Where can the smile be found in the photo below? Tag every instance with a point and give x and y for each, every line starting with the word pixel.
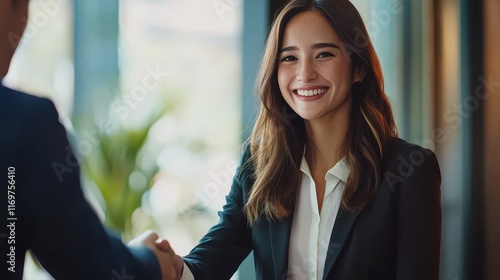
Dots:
pixel 310 92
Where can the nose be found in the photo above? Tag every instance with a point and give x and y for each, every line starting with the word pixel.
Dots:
pixel 306 71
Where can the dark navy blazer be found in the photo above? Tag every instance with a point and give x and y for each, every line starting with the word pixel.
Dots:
pixel 397 236
pixel 53 219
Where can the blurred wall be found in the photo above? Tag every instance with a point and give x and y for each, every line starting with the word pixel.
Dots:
pixel 467 86
pixel 492 138
pixel 450 149
pixel 96 30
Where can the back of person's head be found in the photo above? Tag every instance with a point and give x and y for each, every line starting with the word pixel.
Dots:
pixel 13 18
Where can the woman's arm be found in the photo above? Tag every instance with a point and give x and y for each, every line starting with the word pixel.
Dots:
pixel 226 245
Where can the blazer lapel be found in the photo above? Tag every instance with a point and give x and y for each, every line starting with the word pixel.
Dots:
pixel 280 237
pixel 341 229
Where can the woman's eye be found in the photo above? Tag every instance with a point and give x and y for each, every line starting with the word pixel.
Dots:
pixel 325 54
pixel 288 58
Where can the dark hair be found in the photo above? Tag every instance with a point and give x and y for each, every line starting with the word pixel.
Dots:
pixel 277 142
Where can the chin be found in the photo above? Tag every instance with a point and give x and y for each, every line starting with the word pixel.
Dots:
pixel 309 116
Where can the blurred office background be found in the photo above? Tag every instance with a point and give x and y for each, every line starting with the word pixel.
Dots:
pixel 159 94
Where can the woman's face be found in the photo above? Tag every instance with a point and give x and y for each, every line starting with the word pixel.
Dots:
pixel 315 75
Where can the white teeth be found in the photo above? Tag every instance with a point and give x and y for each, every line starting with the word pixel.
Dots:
pixel 311 92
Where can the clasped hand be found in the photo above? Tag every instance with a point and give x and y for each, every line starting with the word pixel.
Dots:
pixel 171 264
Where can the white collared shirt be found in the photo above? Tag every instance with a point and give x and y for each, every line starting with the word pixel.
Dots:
pixel 311 230
pixel 186 273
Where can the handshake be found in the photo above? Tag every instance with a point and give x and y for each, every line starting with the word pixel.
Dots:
pixel 171 264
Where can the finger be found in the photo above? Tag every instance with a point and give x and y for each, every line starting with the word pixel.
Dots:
pixel 164 245
pixel 141 239
pixel 149 236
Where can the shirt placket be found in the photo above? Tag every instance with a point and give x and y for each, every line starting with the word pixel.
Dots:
pixel 315 226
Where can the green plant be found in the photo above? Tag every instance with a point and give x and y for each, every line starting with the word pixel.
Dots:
pixel 110 165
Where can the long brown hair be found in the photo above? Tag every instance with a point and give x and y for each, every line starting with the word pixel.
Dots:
pixel 278 138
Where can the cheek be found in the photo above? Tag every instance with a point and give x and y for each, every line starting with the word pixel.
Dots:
pixel 283 79
pixel 338 74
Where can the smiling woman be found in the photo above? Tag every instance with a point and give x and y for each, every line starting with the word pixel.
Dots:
pixel 315 72
pixel 325 189
pixel 321 49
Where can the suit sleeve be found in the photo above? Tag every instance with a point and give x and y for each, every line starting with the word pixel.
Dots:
pixel 62 229
pixel 225 246
pixel 419 217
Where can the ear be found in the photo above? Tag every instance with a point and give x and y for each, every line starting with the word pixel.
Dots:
pixel 359 73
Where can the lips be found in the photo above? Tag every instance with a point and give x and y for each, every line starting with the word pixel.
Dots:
pixel 310 92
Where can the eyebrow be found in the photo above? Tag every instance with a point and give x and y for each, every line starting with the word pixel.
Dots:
pixel 315 46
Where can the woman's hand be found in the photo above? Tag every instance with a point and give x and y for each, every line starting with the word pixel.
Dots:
pixel 164 246
pixel 170 264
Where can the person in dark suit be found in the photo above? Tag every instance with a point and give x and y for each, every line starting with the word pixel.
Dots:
pixel 325 188
pixel 47 214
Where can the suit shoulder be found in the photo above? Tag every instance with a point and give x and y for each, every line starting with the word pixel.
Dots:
pixel 20 106
pixel 245 165
pixel 399 147
pixel 400 152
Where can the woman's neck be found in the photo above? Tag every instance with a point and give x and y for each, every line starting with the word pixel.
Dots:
pixel 325 140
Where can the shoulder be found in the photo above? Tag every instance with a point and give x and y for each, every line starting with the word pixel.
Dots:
pixel 246 166
pixel 245 173
pixel 403 159
pixel 399 149
pixel 21 107
pixel 27 122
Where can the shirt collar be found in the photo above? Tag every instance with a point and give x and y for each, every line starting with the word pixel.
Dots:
pixel 340 170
